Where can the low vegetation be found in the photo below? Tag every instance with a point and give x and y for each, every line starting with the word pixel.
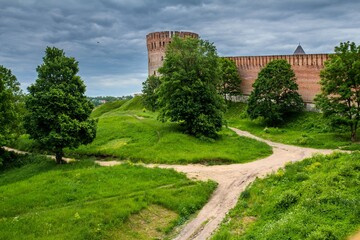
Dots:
pixel 42 200
pixel 306 129
pixel 129 132
pixel 317 198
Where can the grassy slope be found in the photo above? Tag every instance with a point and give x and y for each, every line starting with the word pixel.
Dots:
pixel 100 110
pixel 308 129
pixel 317 198
pixel 128 132
pixel 84 201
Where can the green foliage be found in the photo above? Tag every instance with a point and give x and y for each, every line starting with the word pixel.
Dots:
pixel 10 106
pixel 150 88
pixel 107 107
pixel 229 78
pixel 84 201
pixel 129 133
pixel 308 129
pixel 339 99
pixel 58 110
pixel 274 94
pixel 188 90
pixel 134 104
pixel 317 198
pixel 9 160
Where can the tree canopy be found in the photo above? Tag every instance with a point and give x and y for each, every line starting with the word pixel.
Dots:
pixel 274 94
pixel 10 95
pixel 188 90
pixel 58 110
pixel 229 78
pixel 150 88
pixel 339 99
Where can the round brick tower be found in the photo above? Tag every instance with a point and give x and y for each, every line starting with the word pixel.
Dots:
pixel 156 45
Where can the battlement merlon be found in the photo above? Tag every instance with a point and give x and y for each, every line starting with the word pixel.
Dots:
pixel 293 60
pixel 170 34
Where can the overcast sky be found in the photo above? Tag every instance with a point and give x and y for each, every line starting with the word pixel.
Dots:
pixel 107 37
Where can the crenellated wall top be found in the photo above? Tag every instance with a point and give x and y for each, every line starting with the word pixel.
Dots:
pixel 293 60
pixel 169 34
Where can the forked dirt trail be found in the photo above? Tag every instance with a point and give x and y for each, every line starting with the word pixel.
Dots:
pixel 232 180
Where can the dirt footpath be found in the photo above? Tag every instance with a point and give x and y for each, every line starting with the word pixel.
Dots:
pixel 232 180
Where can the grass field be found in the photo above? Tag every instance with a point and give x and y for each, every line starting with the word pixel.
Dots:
pixel 81 200
pixel 127 131
pixel 317 198
pixel 308 129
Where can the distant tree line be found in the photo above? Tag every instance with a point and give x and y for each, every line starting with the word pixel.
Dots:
pixel 97 101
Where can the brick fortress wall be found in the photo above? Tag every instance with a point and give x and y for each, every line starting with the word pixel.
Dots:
pixel 156 45
pixel 306 67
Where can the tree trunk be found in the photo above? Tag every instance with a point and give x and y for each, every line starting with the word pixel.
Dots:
pixel 58 156
pixel 353 136
pixel 353 132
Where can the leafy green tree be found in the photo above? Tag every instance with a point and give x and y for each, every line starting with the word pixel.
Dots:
pixel 188 90
pixel 274 94
pixel 10 105
pixel 150 88
pixel 58 110
pixel 229 78
pixel 339 99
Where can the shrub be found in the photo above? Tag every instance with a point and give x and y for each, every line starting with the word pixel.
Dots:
pixel 287 200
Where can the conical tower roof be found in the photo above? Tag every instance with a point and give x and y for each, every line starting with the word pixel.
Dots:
pixel 299 50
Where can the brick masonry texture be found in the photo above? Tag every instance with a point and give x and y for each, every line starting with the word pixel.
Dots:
pixel 307 67
pixel 156 45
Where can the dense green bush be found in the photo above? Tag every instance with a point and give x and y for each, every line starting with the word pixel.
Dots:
pixel 188 90
pixel 274 96
pixel 11 160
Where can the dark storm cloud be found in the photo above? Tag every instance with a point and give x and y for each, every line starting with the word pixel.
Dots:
pixel 107 37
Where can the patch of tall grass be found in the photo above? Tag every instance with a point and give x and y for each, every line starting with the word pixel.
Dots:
pixel 308 129
pixel 317 198
pixel 42 200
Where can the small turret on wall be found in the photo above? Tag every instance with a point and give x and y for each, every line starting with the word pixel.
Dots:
pixel 156 45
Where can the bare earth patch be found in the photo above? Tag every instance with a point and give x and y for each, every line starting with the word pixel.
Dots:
pixel 150 223
pixel 355 237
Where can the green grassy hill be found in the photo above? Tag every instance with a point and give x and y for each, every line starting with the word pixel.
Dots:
pixel 81 200
pixel 318 198
pixel 307 129
pixel 127 131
